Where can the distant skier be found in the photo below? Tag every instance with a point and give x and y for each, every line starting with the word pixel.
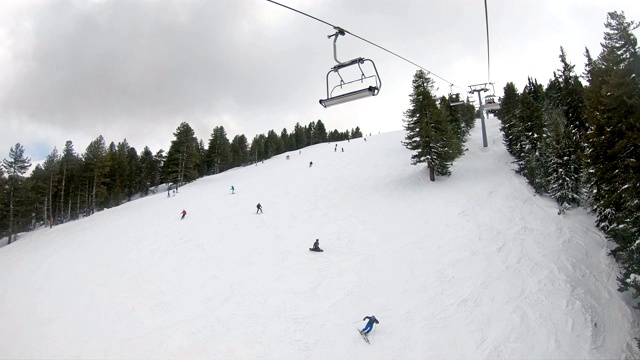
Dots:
pixel 316 246
pixel 184 213
pixel 259 207
pixel 233 190
pixel 50 221
pixel 369 326
pixel 335 148
pixel 310 163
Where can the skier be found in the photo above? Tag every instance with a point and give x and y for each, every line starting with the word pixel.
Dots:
pixel 310 163
pixel 369 326
pixel 50 221
pixel 184 213
pixel 259 207
pixel 233 189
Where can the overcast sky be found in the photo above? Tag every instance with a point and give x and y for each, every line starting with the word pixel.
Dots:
pixel 76 69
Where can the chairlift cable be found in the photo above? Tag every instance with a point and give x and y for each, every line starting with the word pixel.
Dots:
pixel 486 19
pixel 367 41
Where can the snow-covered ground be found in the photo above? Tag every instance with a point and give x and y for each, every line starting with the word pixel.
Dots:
pixel 471 266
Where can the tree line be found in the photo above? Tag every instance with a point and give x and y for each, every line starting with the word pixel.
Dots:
pixel 69 185
pixel 579 142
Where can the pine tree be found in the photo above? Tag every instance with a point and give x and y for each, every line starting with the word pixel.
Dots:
pixel 50 168
pixel 96 166
pixel 273 145
pixel 564 181
pixel 132 162
pixel 15 167
pixel 257 150
pixel 149 171
pixel 300 136
pixel 320 131
pixel 183 157
pixel 239 150
pixel 355 133
pixel 69 168
pixel 508 115
pixel 218 155
pixel 428 132
pixel 529 130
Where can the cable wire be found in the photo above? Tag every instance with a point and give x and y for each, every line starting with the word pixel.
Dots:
pixel 367 41
pixel 486 19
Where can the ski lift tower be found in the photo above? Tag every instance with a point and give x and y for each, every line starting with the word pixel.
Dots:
pixel 480 88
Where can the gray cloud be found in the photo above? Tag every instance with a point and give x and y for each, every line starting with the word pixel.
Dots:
pixel 76 69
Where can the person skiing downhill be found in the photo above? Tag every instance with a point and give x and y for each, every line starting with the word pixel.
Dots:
pixel 369 326
pixel 233 190
pixel 259 207
pixel 184 213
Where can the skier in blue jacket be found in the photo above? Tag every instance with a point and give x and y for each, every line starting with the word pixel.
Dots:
pixel 369 326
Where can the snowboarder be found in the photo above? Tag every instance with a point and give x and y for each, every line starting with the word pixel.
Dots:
pixel 369 326
pixel 184 213
pixel 233 189
pixel 316 246
pixel 259 207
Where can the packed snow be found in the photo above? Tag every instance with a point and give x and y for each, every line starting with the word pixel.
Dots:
pixel 471 266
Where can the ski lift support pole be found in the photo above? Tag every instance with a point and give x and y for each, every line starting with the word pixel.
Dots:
pixel 480 88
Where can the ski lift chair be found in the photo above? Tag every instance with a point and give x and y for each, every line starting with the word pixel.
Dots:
pixel 454 99
pixel 490 103
pixel 370 90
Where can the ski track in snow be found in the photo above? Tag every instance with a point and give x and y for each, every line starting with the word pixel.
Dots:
pixel 471 266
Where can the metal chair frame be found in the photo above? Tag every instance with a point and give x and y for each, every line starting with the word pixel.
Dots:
pixel 352 95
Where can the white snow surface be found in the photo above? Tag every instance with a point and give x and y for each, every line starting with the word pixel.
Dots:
pixel 470 266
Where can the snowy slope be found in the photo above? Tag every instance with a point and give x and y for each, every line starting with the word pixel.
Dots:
pixel 471 266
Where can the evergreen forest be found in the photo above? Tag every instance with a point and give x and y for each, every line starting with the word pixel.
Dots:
pixel 577 139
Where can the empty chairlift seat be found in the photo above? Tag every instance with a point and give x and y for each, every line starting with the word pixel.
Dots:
pixel 358 84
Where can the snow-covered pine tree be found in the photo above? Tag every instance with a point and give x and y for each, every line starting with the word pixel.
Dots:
pixel 429 133
pixel 530 130
pixel 564 181
pixel 507 114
